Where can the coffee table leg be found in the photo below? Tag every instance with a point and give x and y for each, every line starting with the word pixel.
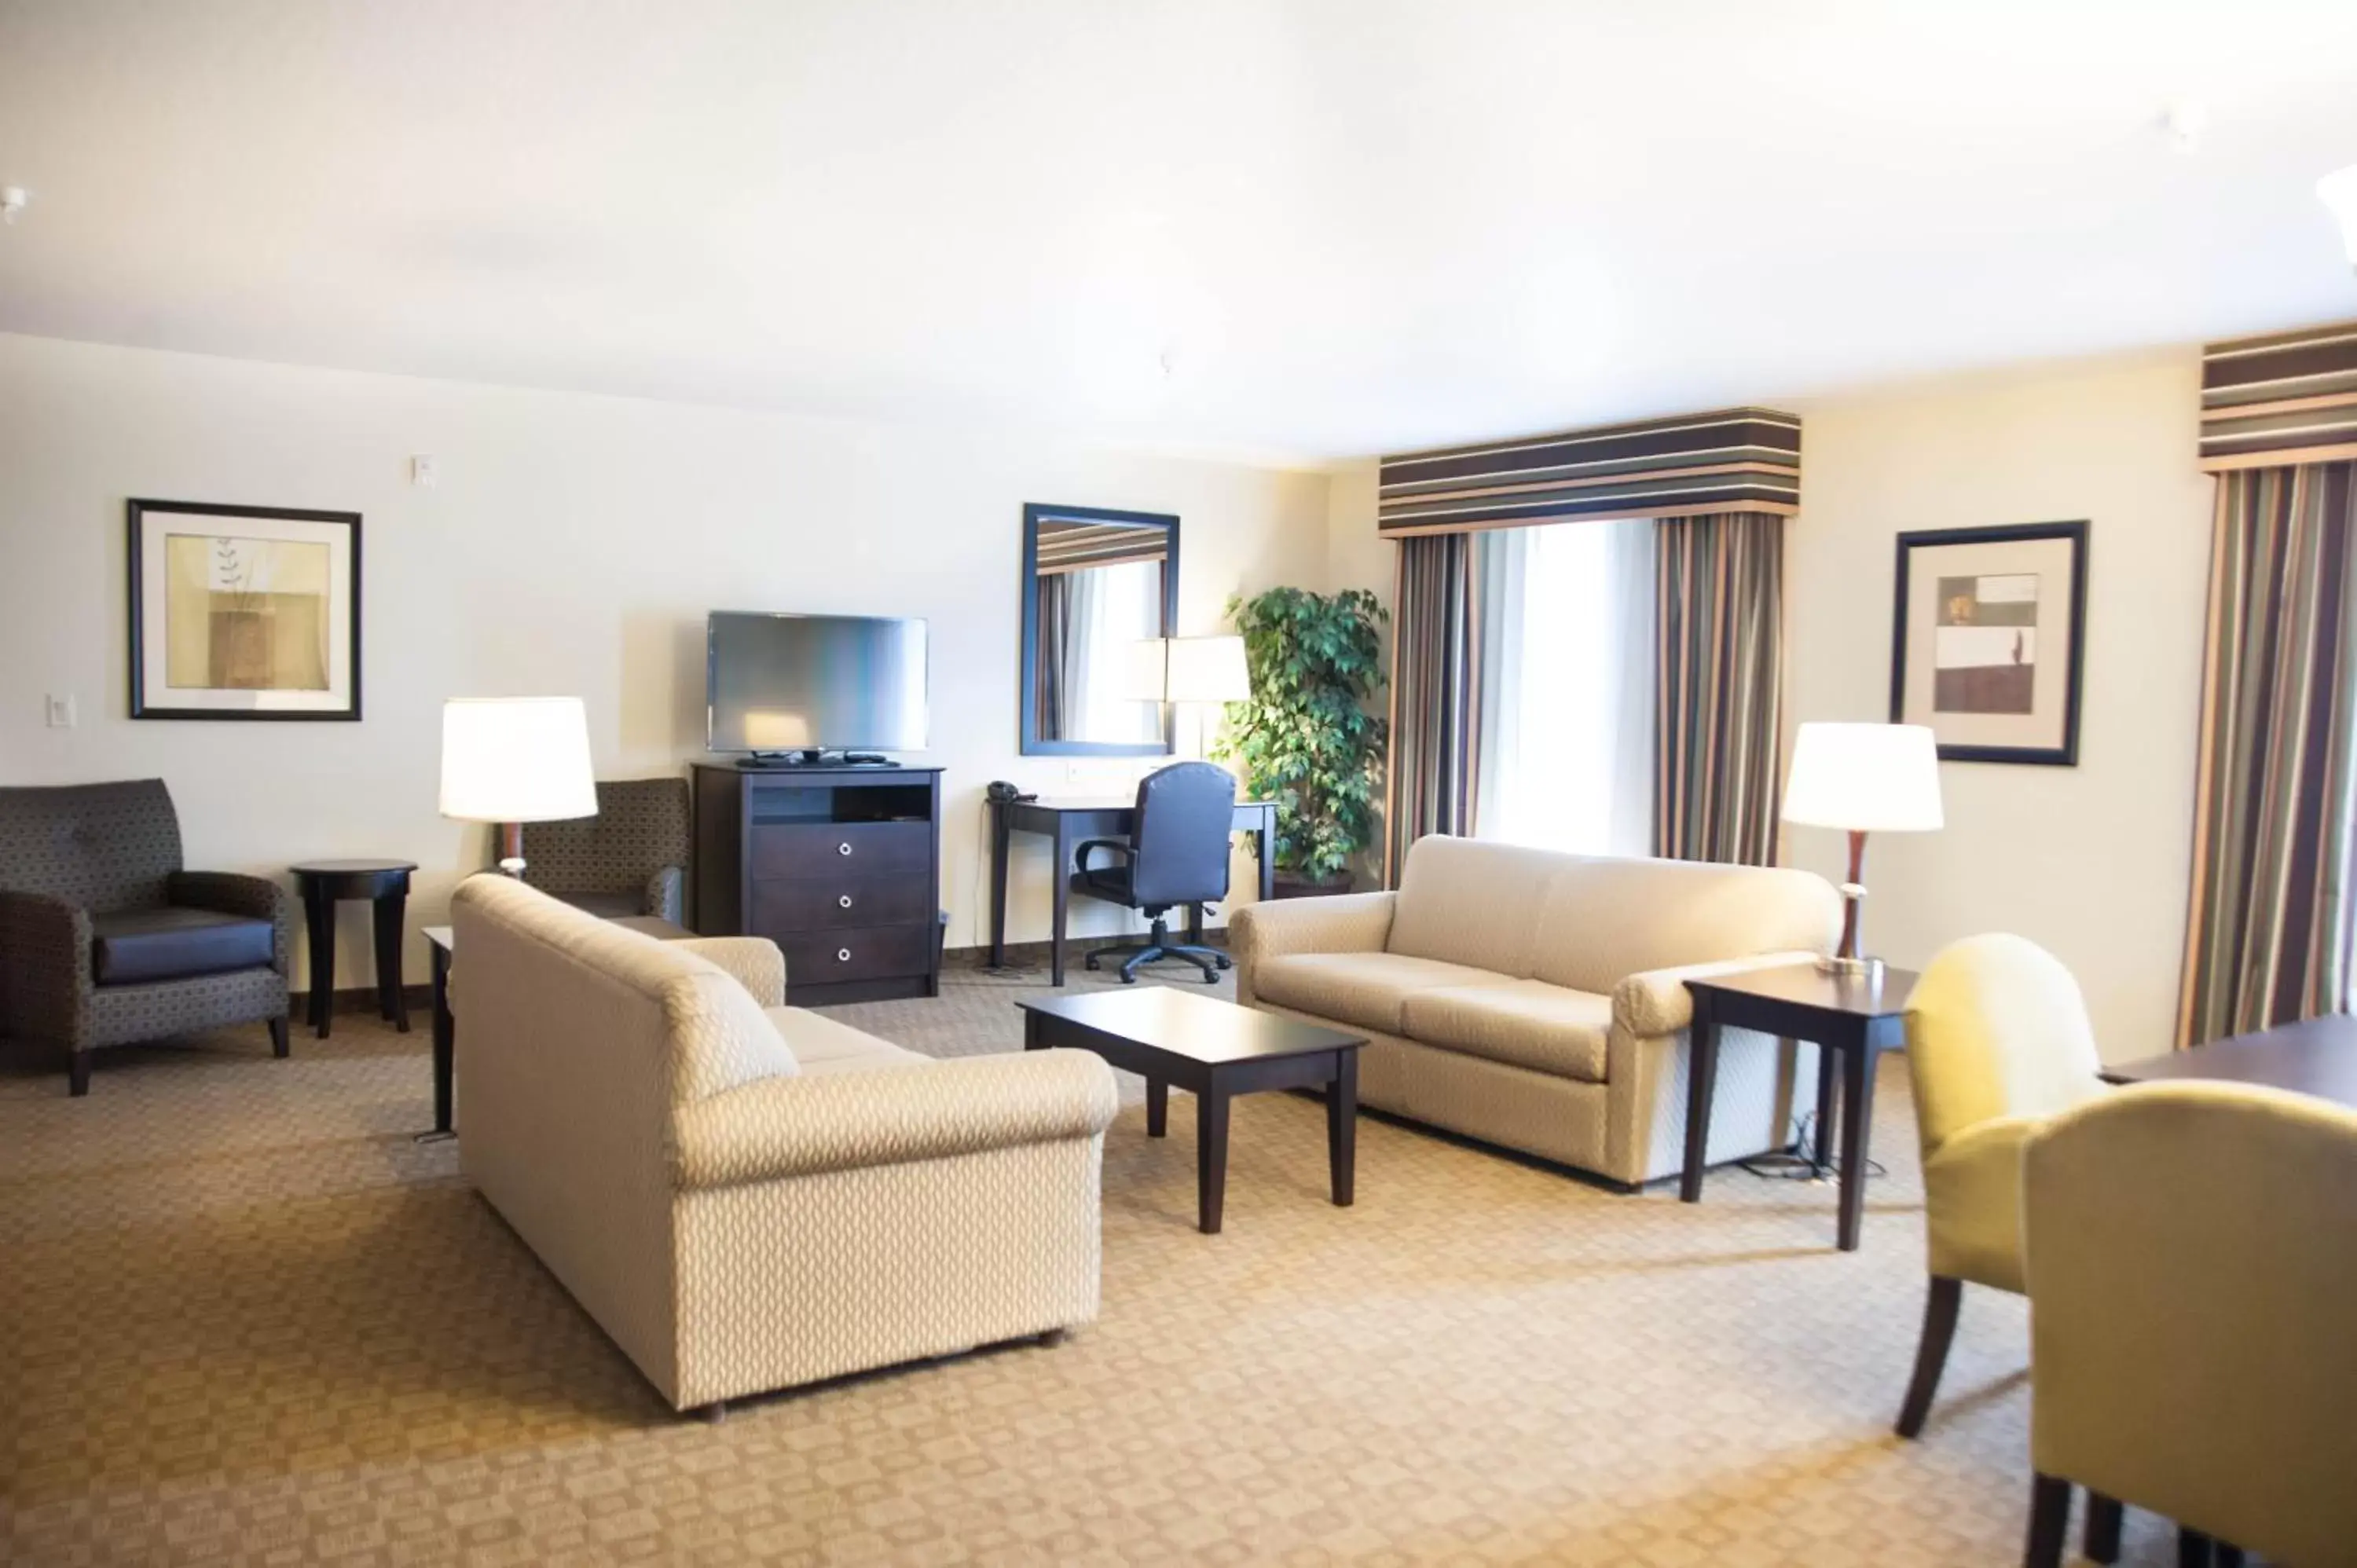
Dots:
pixel 1342 1127
pixel 1157 1108
pixel 1211 1157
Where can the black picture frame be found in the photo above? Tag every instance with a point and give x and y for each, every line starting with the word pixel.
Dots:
pixel 1029 740
pixel 2076 531
pixel 136 511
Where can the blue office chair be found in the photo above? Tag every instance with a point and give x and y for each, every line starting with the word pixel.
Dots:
pixel 1177 855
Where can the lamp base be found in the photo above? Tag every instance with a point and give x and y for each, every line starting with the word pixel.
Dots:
pixel 1865 968
pixel 511 865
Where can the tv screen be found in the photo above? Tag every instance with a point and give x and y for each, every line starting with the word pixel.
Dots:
pixel 801 682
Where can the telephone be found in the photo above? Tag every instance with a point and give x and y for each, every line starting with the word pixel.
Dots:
pixel 1002 793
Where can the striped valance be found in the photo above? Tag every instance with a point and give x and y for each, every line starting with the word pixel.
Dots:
pixel 2281 400
pixel 1743 459
pixel 1069 546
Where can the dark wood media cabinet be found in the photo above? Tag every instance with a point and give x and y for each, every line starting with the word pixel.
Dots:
pixel 840 866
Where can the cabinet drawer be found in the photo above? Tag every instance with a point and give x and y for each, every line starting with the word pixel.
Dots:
pixel 832 849
pixel 865 953
pixel 839 901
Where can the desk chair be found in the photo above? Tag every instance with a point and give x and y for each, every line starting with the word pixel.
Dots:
pixel 1177 855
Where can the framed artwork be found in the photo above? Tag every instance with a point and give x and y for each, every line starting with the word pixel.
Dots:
pixel 1988 640
pixel 244 612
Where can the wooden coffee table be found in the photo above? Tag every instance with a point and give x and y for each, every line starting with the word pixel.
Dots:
pixel 1216 1050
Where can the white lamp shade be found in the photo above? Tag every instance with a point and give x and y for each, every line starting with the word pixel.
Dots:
pixel 1872 779
pixel 2338 191
pixel 1209 670
pixel 516 760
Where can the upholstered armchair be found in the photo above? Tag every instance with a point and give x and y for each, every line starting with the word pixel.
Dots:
pixel 2191 1253
pixel 1997 1041
pixel 106 940
pixel 631 859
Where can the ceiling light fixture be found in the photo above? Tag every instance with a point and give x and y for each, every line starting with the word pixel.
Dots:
pixel 13 200
pixel 2339 192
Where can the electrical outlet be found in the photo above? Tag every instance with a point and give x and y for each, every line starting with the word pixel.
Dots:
pixel 425 471
pixel 61 711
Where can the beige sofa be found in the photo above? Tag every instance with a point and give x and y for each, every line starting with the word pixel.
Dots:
pixel 748 1196
pixel 1536 1000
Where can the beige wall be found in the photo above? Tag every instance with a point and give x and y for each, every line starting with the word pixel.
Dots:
pixel 2089 861
pixel 572 546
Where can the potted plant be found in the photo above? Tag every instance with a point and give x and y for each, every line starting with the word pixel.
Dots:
pixel 1305 737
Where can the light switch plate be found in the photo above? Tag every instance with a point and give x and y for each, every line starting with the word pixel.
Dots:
pixel 61 711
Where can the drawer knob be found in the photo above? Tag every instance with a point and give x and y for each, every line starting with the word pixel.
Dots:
pixel 845 901
pixel 843 955
pixel 843 848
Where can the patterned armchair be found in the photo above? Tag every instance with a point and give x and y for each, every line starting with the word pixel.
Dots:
pixel 629 859
pixel 105 940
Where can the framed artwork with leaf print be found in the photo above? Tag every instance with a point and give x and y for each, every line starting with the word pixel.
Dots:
pixel 243 612
pixel 1988 642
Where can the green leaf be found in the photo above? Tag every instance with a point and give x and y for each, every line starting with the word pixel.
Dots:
pixel 1305 738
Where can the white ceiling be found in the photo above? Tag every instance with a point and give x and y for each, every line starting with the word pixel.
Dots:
pixel 1349 225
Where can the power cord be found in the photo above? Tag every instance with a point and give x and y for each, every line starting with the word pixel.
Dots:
pixel 1793 1165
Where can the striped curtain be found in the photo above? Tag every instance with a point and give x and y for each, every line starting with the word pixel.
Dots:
pixel 1718 584
pixel 1436 692
pixel 2268 933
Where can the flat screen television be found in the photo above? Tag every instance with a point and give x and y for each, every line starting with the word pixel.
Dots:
pixel 808 683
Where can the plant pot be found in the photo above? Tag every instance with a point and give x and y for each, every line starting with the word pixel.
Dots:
pixel 1295 884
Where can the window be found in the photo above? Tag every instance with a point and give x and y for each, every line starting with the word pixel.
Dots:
pixel 1567 732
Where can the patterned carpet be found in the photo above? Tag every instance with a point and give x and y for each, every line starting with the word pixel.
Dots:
pixel 244 1319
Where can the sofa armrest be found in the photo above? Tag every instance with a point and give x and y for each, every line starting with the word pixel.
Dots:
pixel 229 893
pixel 1656 1001
pixel 755 961
pixel 665 895
pixel 45 969
pixel 1347 922
pixel 776 1128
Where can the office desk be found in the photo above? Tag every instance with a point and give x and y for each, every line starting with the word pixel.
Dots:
pixel 1065 821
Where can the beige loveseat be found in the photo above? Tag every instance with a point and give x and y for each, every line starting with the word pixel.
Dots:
pixel 748 1196
pixel 1536 1000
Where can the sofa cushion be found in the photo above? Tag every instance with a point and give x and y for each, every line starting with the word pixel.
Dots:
pixel 1465 901
pixel 823 1047
pixel 1367 989
pixel 1524 1022
pixel 130 947
pixel 1606 919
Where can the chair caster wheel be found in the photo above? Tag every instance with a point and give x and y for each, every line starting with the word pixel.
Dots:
pixel 1225 963
pixel 1209 978
pixel 1129 980
pixel 1088 963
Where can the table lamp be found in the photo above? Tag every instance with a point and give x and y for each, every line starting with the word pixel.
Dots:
pixel 1197 672
pixel 513 760
pixel 1862 779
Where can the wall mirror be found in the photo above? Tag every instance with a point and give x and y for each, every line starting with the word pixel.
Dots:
pixel 1099 589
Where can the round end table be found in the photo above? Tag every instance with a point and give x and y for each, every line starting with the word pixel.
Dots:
pixel 385 885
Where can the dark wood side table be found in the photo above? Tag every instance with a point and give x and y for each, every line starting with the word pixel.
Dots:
pixel 1855 1019
pixel 1216 1050
pixel 385 885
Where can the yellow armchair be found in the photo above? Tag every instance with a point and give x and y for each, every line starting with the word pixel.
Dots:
pixel 1998 1040
pixel 2192 1256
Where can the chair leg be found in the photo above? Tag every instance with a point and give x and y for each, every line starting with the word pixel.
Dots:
pixel 279 1042
pixel 2192 1549
pixel 77 1074
pixel 1940 1308
pixel 2050 1519
pixel 2103 1537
